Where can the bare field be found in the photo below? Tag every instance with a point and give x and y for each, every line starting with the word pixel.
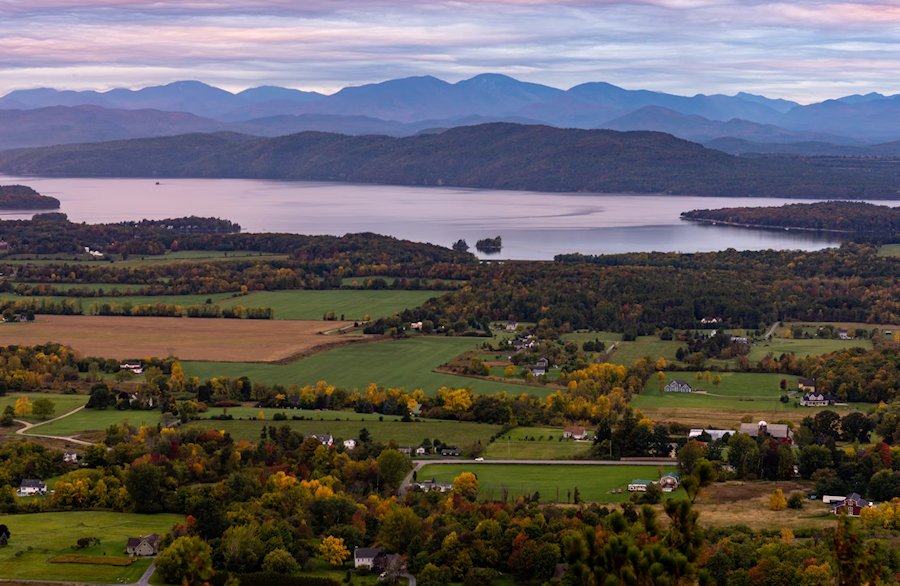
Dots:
pixel 226 340
pixel 747 503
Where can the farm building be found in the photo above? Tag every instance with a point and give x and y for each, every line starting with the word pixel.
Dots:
pixel 143 546
pixel 714 434
pixel 669 482
pixel 807 385
pixel 639 485
pixel 851 505
pixel 778 431
pixel 678 386
pixel 575 432
pixel 816 399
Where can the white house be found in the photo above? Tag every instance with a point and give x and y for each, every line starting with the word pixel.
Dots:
pixel 714 434
pixel 143 546
pixel 350 444
pixel 70 457
pixel 32 486
pixel 639 485
pixel 678 386
pixel 364 557
pixel 421 451
pixel 816 399
pixel 575 432
pixel 326 439
pixel 134 367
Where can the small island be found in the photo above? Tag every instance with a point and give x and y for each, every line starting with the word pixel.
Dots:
pixel 489 245
pixel 828 216
pixel 22 197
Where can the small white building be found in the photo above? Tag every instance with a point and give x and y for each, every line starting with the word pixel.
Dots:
pixel 32 486
pixel 678 386
pixel 639 485
pixel 326 439
pixel 134 367
pixel 70 457
pixel 575 432
pixel 349 444
pixel 148 545
pixel 816 399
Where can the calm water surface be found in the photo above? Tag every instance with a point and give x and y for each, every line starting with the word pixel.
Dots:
pixel 533 225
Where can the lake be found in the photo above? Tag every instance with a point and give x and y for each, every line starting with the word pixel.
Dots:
pixel 534 226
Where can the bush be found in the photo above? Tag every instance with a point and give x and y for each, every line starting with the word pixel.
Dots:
pixel 280 561
pixel 795 501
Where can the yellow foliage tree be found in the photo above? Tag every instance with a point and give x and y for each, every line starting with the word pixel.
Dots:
pixel 177 378
pixel 466 485
pixel 777 502
pixel 333 550
pixel 23 406
pixel 787 535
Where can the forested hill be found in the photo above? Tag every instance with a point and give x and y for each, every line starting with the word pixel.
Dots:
pixel 496 156
pixel 839 216
pixel 22 197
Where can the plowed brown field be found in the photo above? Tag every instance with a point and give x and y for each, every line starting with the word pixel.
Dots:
pixel 227 340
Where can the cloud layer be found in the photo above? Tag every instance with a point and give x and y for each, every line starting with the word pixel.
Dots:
pixel 805 50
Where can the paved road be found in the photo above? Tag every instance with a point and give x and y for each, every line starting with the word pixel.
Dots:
pixel 30 426
pixel 418 464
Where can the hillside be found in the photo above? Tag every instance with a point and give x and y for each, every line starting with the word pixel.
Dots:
pixel 495 156
pixel 837 216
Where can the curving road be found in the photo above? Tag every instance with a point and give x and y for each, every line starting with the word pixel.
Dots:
pixel 29 426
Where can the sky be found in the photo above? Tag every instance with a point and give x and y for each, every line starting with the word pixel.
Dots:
pixel 805 50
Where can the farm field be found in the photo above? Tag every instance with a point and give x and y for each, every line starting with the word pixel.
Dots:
pixel 889 250
pixel 811 327
pixel 594 482
pixel 88 420
pixel 543 443
pixel 303 304
pixel 62 403
pixel 406 363
pixel 627 352
pixel 747 503
pixel 38 537
pixel 350 303
pixel 802 348
pixel 90 286
pixel 188 339
pixel 408 434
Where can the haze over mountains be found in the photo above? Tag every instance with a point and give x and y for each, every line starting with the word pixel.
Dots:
pixel 402 107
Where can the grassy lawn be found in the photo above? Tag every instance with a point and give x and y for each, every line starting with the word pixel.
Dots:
pixel 397 363
pixel 801 347
pixel 594 482
pixel 735 391
pixel 36 538
pixel 346 425
pixel 94 420
pixel 63 403
pixel 352 304
pixel 545 445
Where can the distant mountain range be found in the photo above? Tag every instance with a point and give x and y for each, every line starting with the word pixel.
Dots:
pixel 404 107
pixel 497 156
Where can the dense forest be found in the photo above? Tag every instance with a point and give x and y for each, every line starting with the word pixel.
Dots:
pixel 838 216
pixel 496 156
pixel 22 197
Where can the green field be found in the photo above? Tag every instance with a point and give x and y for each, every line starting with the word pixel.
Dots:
pixel 89 286
pixel 802 348
pixel 545 445
pixel 350 303
pixel 36 538
pixel 181 256
pixel 63 403
pixel 94 420
pixel 297 304
pixel 735 391
pixel 594 482
pixel 346 425
pixel 404 363
pixel 889 250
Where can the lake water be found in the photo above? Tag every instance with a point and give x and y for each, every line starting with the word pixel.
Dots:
pixel 534 226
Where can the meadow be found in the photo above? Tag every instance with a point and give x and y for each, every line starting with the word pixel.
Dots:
pixel 62 403
pixel 406 363
pixel 554 482
pixel 94 420
pixel 536 443
pixel 38 537
pixel 302 304
pixel 889 250
pixel 347 425
pixel 737 390
pixel 802 347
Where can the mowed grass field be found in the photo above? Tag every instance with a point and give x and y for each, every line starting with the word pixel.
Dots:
pixel 554 482
pixel 346 425
pixel 406 363
pixel 536 443
pixel 305 304
pixel 186 338
pixel 62 403
pixel 802 348
pixel 889 250
pixel 38 537
pixel 736 390
pixel 88 420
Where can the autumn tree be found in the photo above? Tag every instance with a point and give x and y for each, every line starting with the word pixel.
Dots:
pixel 398 528
pixel 393 467
pixel 333 550
pixel 187 561
pixel 23 406
pixel 777 502
pixel 466 485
